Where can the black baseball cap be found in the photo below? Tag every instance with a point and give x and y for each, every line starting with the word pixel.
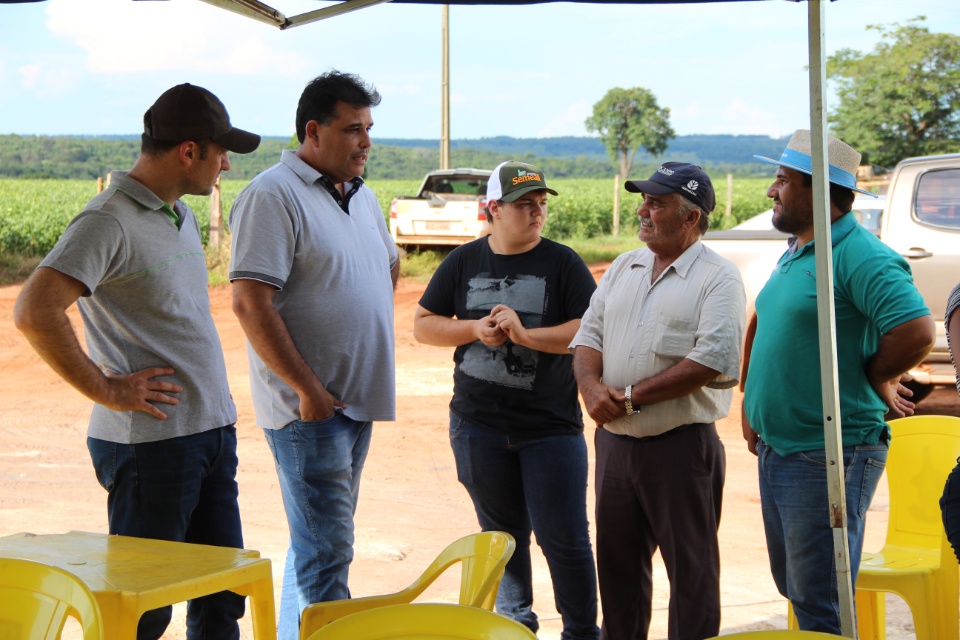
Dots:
pixel 684 178
pixel 189 112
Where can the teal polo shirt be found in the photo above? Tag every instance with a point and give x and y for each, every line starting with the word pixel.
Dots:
pixel 873 293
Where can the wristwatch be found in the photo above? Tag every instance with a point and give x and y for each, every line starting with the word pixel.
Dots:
pixel 628 402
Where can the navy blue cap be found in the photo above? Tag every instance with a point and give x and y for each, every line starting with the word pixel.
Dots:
pixel 684 178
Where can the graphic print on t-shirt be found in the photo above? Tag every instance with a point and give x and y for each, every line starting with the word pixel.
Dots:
pixel 509 364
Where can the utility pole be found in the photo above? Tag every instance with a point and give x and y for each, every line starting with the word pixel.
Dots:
pixel 445 90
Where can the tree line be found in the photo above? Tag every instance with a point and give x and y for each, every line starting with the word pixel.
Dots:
pixel 89 157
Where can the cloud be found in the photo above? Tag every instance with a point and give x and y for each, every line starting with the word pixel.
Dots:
pixel 736 117
pixel 568 122
pixel 49 77
pixel 740 118
pixel 30 75
pixel 119 36
pixel 396 90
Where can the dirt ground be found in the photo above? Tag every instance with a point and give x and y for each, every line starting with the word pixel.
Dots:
pixel 411 504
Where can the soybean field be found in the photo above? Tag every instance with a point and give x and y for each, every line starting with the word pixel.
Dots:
pixel 34 213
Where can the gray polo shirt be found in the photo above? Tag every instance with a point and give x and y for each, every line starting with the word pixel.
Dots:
pixel 332 273
pixel 147 305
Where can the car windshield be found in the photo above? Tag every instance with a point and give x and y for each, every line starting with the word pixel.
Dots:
pixel 464 185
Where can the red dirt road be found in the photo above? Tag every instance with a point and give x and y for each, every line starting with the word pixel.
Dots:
pixel 411 504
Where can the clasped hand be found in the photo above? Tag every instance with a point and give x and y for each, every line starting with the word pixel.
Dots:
pixel 501 325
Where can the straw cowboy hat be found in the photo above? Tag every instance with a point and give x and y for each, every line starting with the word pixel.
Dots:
pixel 844 159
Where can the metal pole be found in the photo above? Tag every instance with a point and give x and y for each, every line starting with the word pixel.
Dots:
pixel 445 91
pixel 826 317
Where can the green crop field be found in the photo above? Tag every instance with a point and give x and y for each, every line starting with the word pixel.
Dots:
pixel 34 213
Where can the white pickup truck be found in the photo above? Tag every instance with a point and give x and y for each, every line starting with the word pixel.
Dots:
pixel 449 209
pixel 920 220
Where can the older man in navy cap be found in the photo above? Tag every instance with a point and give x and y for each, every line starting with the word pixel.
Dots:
pixel 656 357
pixel 883 329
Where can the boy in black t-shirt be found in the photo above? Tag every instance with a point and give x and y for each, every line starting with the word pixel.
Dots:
pixel 511 303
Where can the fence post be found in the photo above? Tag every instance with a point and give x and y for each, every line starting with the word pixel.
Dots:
pixel 729 210
pixel 99 184
pixel 728 220
pixel 215 214
pixel 616 205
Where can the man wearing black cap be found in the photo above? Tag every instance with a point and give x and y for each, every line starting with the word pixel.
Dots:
pixel 161 434
pixel 509 303
pixel 655 358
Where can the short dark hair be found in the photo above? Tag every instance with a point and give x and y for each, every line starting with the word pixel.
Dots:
pixel 486 211
pixel 152 146
pixel 840 197
pixel 321 95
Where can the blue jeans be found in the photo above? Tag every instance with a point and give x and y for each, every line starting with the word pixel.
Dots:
pixel 539 484
pixel 182 489
pixel 319 466
pixel 796 519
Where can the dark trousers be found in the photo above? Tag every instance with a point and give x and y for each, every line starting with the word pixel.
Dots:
pixel 534 484
pixel 666 493
pixel 183 489
pixel 950 508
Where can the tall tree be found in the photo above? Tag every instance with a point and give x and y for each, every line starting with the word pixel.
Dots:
pixel 903 98
pixel 628 119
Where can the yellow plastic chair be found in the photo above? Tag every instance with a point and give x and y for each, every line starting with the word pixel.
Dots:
pixel 422 621
pixel 916 562
pixel 36 599
pixel 483 557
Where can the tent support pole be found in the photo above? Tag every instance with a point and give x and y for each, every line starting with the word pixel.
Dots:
pixel 826 316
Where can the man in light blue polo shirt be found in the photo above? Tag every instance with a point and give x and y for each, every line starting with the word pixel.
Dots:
pixel 883 329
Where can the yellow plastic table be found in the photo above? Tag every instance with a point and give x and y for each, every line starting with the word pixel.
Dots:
pixel 129 576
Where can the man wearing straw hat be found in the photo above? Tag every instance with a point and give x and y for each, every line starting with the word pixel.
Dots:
pixel 883 329
pixel 161 435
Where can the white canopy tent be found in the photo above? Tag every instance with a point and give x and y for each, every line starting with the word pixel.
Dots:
pixel 262 12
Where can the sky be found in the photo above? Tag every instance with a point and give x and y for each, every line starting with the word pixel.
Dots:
pixel 92 67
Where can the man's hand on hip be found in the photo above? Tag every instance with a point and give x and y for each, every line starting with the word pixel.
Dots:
pixel 895 395
pixel 135 391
